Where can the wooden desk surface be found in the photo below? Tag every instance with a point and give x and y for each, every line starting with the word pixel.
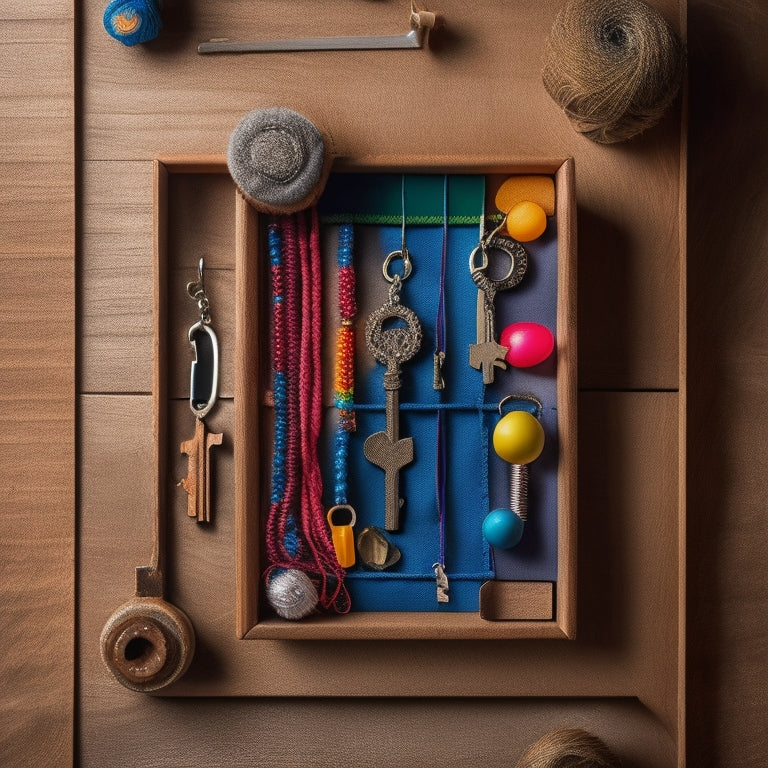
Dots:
pixel 727 641
pixel 37 249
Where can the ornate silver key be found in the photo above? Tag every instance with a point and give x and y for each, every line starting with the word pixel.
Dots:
pixel 487 353
pixel 393 336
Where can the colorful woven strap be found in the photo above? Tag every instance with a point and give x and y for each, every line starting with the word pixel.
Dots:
pixel 296 532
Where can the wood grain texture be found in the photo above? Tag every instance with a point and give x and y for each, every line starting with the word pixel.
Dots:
pixel 727 616
pixel 727 621
pixel 115 273
pixel 21 10
pixel 628 288
pixel 626 642
pixel 37 101
pixel 37 450
pixel 728 369
pixel 629 298
pixel 114 722
pixel 504 600
pixel 385 733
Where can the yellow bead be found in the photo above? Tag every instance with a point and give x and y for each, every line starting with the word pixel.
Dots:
pixel 518 437
pixel 526 221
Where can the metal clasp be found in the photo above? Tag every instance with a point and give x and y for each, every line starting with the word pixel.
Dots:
pixel 204 374
pixel 403 254
pixel 518 264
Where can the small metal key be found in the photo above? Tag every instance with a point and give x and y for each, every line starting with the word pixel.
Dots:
pixel 487 353
pixel 392 346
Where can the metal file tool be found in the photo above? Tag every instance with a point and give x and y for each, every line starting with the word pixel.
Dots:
pixel 421 23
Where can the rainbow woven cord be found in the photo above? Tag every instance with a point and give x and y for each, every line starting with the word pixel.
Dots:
pixel 344 381
pixel 344 377
pixel 133 21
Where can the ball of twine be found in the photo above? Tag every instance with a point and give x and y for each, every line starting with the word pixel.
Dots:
pixel 613 66
pixel 291 593
pixel 568 748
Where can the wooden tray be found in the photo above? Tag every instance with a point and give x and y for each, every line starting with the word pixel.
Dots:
pixel 532 609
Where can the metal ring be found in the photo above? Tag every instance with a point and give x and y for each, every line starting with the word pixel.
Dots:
pixel 336 508
pixel 484 265
pixel 210 385
pixel 517 266
pixel 403 254
pixel 526 398
pixel 393 344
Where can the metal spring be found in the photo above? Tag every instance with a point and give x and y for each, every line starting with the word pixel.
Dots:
pixel 518 490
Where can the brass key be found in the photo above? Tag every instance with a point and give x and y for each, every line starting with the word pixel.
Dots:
pixel 487 353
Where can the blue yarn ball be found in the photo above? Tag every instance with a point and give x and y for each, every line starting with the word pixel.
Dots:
pixel 133 21
pixel 502 528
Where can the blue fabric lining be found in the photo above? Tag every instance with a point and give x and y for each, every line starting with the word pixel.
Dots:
pixel 477 480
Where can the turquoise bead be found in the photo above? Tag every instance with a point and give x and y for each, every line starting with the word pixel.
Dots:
pixel 502 528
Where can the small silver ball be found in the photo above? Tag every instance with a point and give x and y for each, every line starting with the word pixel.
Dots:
pixel 292 594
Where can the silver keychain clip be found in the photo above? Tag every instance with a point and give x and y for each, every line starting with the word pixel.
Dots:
pixel 204 373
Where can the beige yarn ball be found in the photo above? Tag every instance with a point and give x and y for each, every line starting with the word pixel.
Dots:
pixel 613 66
pixel 568 748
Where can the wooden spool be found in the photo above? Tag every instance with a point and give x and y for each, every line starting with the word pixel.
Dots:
pixel 147 644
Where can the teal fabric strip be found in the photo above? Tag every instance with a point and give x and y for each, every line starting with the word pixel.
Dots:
pixel 376 199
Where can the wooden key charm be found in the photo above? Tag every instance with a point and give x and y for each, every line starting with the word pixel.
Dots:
pixel 197 483
pixel 392 345
pixel 203 390
pixel 487 353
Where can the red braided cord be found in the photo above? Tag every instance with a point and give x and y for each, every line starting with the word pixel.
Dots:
pixel 285 331
pixel 273 540
pixel 311 413
pixel 347 301
pixel 297 349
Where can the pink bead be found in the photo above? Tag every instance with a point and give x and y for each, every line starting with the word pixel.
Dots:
pixel 529 344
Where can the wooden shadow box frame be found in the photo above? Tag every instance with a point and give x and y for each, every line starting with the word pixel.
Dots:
pixel 529 610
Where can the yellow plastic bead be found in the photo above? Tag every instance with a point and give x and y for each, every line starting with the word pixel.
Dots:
pixel 526 221
pixel 518 437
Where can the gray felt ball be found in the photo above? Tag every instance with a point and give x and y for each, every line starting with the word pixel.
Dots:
pixel 276 157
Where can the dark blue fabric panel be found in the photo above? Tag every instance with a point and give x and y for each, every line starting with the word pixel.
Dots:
pixel 477 480
pixel 409 593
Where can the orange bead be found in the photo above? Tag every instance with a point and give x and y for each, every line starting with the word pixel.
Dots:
pixel 539 189
pixel 526 221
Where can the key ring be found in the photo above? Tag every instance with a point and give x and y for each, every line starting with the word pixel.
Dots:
pixel 517 266
pixel 403 254
pixel 531 401
pixel 196 291
pixel 204 375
